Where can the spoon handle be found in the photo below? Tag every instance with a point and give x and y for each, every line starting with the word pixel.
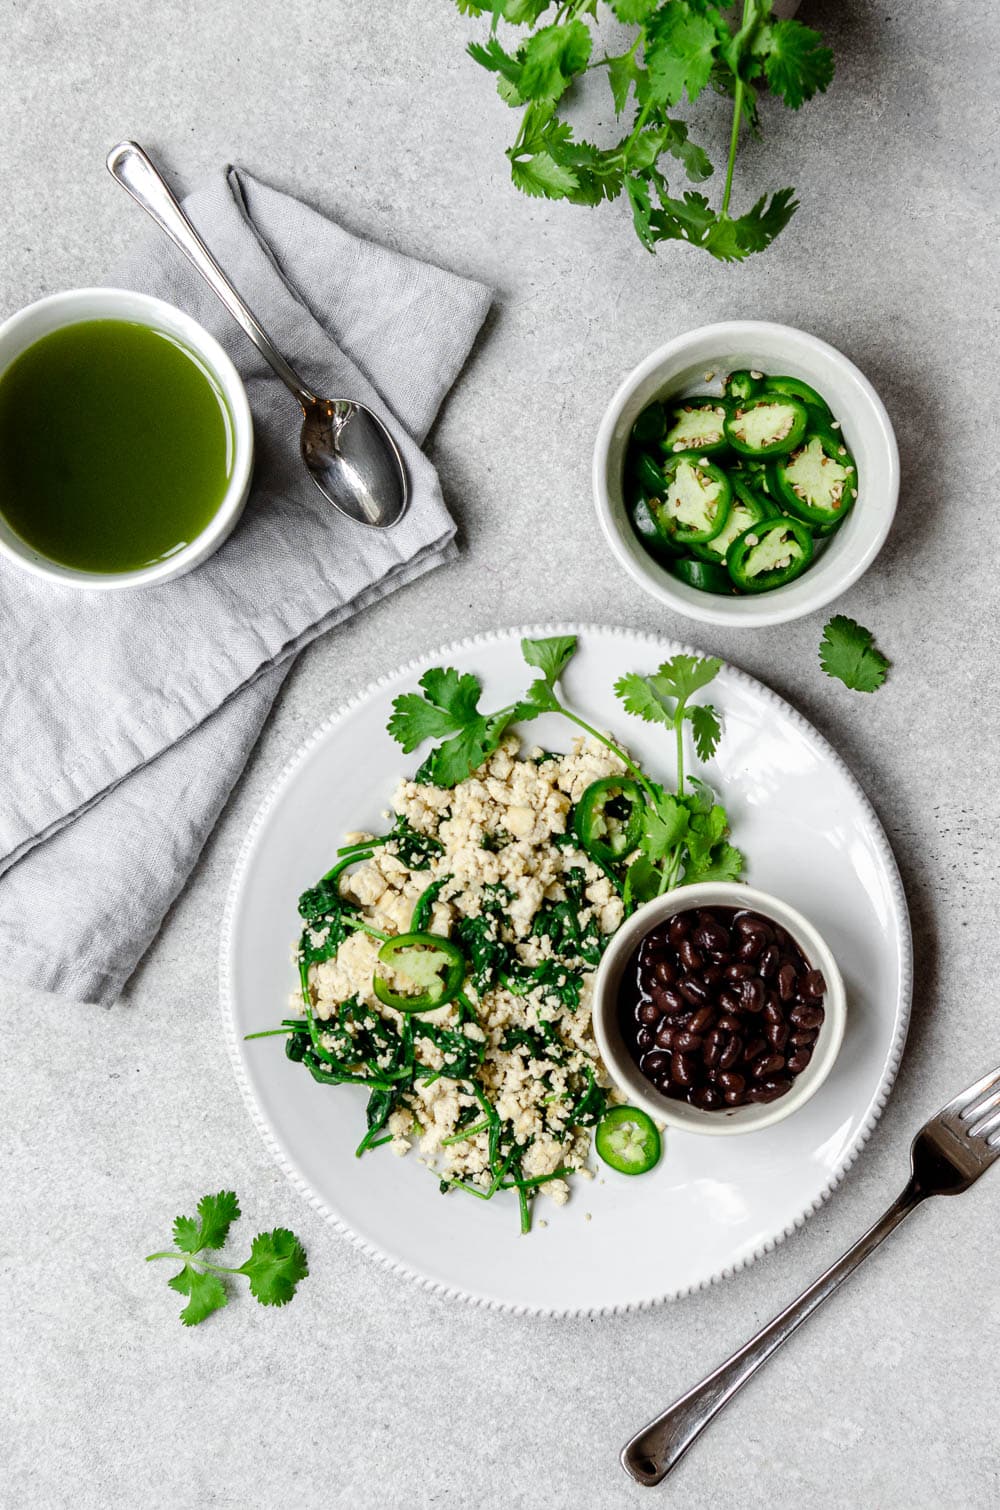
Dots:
pixel 134 170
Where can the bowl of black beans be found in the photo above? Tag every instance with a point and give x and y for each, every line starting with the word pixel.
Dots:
pixel 718 1008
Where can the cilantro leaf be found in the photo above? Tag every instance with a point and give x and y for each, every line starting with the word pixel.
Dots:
pixel 450 701
pixel 726 864
pixel 622 75
pixel 276 1264
pixel 663 826
pixel 206 1291
pixel 216 1213
pixel 732 240
pixel 643 880
pixel 551 58
pixel 796 63
pixel 633 10
pixel 706 728
pixel 680 51
pixel 551 656
pixel 848 651
pixel 542 177
pixel 683 675
pixel 640 698
pixel 679 48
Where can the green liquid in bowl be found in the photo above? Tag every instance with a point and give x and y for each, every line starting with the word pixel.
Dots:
pixel 116 446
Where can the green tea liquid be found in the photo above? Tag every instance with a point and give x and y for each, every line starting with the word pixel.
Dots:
pixel 116 446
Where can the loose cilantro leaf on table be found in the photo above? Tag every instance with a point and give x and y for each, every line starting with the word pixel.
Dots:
pixel 680 49
pixel 848 652
pixel 276 1264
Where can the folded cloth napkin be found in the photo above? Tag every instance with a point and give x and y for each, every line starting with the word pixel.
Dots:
pixel 127 717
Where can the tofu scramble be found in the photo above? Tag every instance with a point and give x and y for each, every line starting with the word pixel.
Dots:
pixel 532 913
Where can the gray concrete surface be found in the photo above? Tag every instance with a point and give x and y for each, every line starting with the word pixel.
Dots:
pixel 366 1392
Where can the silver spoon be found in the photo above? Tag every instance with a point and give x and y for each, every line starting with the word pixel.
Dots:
pixel 351 456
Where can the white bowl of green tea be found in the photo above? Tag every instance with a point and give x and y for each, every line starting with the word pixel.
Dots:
pixel 126 441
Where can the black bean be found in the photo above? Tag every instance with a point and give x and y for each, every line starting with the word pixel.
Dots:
pixel 752 995
pixel 714 1044
pixel 786 982
pixel 813 985
pixel 683 1069
pixel 678 930
pixel 731 1080
pixel 769 961
pixel 777 1036
pixel 690 957
pixel 665 972
pixel 687 1006
pixel 731 1053
pixel 702 1020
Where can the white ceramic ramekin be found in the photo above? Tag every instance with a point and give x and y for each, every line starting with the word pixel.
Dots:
pixel 21 330
pixel 625 1072
pixel 680 367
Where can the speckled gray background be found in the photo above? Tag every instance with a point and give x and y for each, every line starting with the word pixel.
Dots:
pixel 366 1392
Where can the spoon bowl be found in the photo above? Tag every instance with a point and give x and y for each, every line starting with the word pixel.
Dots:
pixel 351 456
pixel 354 461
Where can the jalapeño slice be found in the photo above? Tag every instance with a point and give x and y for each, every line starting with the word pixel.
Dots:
pixel 432 964
pixel 818 482
pixel 608 818
pixel 694 505
pixel 628 1140
pixel 770 554
pixel 768 425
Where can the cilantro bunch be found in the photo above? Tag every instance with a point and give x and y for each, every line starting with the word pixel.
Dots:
pixel 276 1264
pixel 684 835
pixel 680 47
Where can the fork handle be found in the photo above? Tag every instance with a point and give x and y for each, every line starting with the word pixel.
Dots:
pixel 652 1452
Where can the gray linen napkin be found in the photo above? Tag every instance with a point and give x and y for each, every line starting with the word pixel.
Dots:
pixel 127 718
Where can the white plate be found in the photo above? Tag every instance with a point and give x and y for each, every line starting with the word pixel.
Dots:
pixel 713 1204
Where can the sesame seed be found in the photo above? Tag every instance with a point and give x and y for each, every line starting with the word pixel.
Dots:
pixel 835 424
pixel 756 376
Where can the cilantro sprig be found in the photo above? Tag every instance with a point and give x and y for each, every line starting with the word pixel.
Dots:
pixel 684 834
pixel 848 652
pixel 681 47
pixel 276 1264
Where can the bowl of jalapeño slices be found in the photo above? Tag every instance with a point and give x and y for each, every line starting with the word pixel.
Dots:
pixel 746 473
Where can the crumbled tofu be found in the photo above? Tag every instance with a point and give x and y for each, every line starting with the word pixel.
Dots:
pixel 497 830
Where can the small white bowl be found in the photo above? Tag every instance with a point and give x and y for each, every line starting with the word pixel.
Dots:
pixel 26 327
pixel 680 367
pixel 622 1067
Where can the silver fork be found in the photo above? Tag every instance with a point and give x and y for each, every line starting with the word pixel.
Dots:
pixel 949 1154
